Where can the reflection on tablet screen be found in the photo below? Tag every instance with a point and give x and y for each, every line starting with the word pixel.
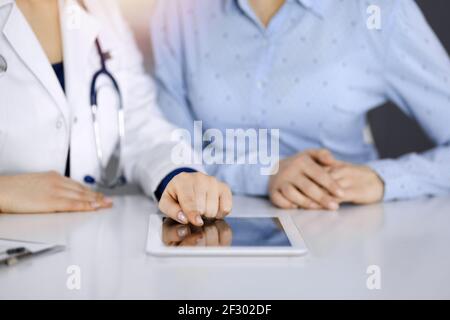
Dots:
pixel 233 232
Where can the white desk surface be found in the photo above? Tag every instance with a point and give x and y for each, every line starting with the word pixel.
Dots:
pixel 409 241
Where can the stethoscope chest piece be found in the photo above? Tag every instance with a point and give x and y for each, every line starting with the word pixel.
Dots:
pixel 3 66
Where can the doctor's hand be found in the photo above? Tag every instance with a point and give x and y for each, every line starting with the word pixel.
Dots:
pixel 361 184
pixel 191 197
pixel 303 181
pixel 47 193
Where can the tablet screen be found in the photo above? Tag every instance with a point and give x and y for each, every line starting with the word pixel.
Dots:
pixel 231 232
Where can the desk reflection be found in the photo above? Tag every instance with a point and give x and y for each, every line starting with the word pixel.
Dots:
pixel 327 231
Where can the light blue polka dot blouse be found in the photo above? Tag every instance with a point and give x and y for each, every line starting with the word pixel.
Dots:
pixel 313 73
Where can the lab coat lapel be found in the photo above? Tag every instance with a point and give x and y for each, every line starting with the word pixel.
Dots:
pixel 80 29
pixel 24 42
pixel 79 33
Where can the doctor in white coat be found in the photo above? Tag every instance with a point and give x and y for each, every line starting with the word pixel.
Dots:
pixel 50 148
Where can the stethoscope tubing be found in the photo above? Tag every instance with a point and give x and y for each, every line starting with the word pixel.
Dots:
pixel 118 179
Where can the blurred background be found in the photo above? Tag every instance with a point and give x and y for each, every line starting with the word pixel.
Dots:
pixel 138 14
pixel 394 133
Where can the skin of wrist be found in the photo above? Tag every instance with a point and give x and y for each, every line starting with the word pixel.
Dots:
pixel 381 183
pixel 383 187
pixel 2 192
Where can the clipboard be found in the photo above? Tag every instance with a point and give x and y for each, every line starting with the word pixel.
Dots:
pixel 12 251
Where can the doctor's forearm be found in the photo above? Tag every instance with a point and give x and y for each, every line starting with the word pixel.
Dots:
pixel 47 192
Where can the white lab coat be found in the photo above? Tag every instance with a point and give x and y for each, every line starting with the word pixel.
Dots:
pixel 38 121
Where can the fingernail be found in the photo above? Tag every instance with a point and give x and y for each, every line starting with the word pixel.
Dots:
pixel 182 232
pixel 95 205
pixel 333 206
pixel 315 206
pixel 199 220
pixel 108 200
pixel 182 217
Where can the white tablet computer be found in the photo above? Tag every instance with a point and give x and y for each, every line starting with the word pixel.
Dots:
pixel 234 236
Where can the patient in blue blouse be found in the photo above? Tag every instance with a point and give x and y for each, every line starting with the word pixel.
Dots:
pixel 313 69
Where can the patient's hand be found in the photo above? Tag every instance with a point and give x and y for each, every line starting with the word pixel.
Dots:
pixel 47 193
pixel 213 234
pixel 303 181
pixel 361 184
pixel 191 196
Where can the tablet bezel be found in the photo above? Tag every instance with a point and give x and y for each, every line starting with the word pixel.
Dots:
pixel 156 247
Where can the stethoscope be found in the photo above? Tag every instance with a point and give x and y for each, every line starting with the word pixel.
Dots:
pixel 111 174
pixel 3 65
